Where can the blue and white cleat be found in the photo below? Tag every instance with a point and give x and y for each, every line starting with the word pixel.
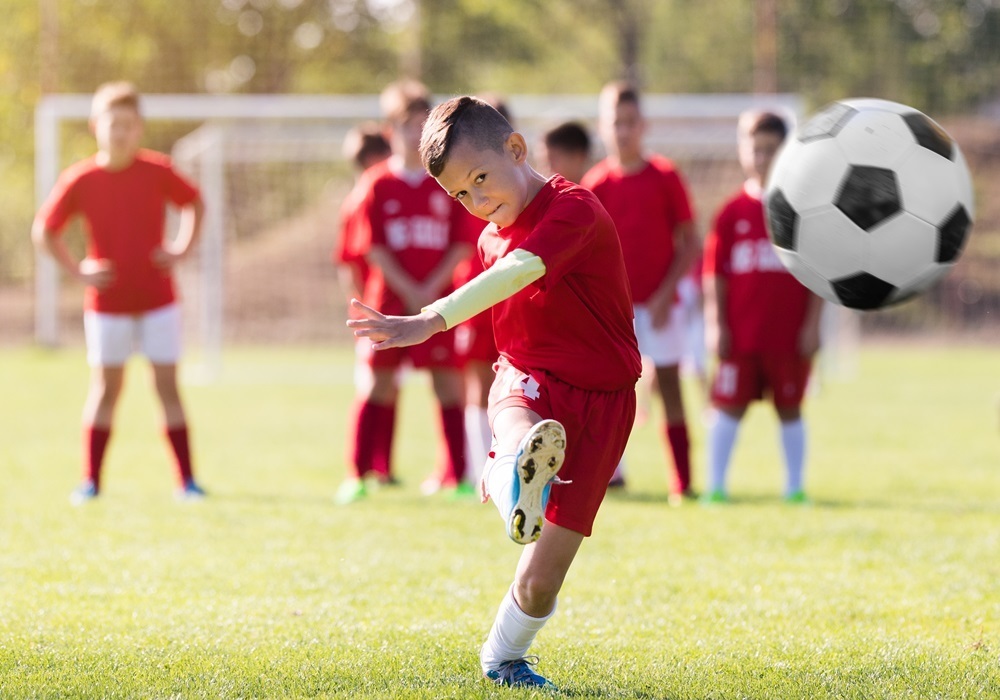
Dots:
pixel 85 492
pixel 519 674
pixel 189 492
pixel 539 458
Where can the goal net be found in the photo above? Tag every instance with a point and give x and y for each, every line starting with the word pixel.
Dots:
pixel 272 175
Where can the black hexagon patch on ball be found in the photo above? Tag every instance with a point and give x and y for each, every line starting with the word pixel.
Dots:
pixel 869 196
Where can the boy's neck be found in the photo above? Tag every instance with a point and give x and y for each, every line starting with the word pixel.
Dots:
pixel 631 163
pixel 114 161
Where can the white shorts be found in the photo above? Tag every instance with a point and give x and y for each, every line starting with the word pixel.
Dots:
pixel 663 345
pixel 112 338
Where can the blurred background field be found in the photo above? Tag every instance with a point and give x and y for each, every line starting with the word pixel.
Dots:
pixel 264 275
pixel 884 587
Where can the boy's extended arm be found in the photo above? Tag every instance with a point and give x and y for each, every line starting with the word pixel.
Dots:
pixel 506 277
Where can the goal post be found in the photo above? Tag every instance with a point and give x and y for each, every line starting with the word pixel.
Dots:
pixel 698 131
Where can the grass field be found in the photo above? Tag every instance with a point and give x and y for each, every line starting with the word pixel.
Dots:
pixel 887 586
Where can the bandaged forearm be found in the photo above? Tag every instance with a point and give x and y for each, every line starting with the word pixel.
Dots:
pixel 509 275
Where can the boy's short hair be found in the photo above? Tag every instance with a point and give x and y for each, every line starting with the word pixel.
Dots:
pixel 403 99
pixel 461 119
pixel 569 136
pixel 364 143
pixel 120 93
pixel 754 122
pixel 618 92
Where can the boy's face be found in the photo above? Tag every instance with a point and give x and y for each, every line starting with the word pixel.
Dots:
pixel 491 185
pixel 757 152
pixel 572 165
pixel 118 130
pixel 622 128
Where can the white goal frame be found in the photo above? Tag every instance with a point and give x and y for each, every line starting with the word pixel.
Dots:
pixel 679 125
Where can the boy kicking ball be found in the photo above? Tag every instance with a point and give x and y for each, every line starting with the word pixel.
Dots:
pixel 563 401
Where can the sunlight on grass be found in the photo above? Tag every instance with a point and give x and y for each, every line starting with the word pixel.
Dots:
pixel 885 586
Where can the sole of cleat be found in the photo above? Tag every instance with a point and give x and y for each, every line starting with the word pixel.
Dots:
pixel 539 458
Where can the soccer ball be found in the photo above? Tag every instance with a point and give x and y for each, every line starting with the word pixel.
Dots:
pixel 869 203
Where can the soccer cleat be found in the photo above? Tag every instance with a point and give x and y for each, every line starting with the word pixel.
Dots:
pixel 87 491
pixel 539 457
pixel 518 673
pixel 350 491
pixel 714 498
pixel 797 498
pixel 190 491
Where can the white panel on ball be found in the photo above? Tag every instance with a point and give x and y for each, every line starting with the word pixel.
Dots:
pixel 902 249
pixel 876 139
pixel 929 185
pixel 832 243
pixel 809 174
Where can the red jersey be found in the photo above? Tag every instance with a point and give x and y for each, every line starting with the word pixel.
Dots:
pixel 765 304
pixel 416 221
pixel 350 248
pixel 124 213
pixel 646 206
pixel 575 322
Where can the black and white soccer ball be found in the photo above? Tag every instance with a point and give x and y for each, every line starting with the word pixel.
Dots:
pixel 869 203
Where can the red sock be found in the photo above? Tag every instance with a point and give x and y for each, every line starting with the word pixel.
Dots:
pixel 373 433
pixel 453 427
pixel 95 441
pixel 385 430
pixel 680 447
pixel 178 437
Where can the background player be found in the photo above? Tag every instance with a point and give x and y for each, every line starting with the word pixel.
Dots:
pixel 763 323
pixel 566 151
pixel 417 235
pixel 122 193
pixel 649 203
pixel 562 307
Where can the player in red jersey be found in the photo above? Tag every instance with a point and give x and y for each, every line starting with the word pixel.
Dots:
pixel 763 322
pixel 121 193
pixel 364 146
pixel 415 235
pixel 648 200
pixel 563 400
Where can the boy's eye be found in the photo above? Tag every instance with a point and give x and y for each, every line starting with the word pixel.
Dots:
pixel 460 195
pixel 480 178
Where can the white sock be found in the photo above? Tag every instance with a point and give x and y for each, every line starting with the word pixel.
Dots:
pixel 512 633
pixel 721 440
pixel 793 441
pixel 499 474
pixel 478 439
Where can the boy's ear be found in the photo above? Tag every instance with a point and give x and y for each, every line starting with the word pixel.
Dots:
pixel 517 147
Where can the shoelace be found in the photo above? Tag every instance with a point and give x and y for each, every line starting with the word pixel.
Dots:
pixel 518 671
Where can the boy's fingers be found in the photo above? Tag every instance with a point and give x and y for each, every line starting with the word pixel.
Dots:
pixel 366 310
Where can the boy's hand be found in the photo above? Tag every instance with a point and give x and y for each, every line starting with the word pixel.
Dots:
pixel 393 331
pixel 99 273
pixel 165 259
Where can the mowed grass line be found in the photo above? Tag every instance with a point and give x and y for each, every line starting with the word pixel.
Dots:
pixel 886 587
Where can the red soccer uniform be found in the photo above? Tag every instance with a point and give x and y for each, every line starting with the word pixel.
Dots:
pixel 646 206
pixel 574 323
pixel 350 247
pixel 417 222
pixel 568 350
pixel 765 305
pixel 123 212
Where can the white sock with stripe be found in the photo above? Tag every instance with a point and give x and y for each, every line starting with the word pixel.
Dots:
pixel 512 633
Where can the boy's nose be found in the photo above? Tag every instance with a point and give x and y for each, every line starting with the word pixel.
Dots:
pixel 479 200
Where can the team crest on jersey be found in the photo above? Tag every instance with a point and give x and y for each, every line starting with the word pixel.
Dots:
pixel 440 204
pixel 742 227
pixel 391 206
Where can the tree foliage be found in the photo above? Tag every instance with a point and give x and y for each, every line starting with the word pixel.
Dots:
pixel 939 55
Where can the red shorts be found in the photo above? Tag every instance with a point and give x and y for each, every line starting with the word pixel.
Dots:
pixel 742 379
pixel 474 339
pixel 438 351
pixel 598 424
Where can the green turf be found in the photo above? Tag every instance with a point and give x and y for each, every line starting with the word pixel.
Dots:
pixel 885 587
